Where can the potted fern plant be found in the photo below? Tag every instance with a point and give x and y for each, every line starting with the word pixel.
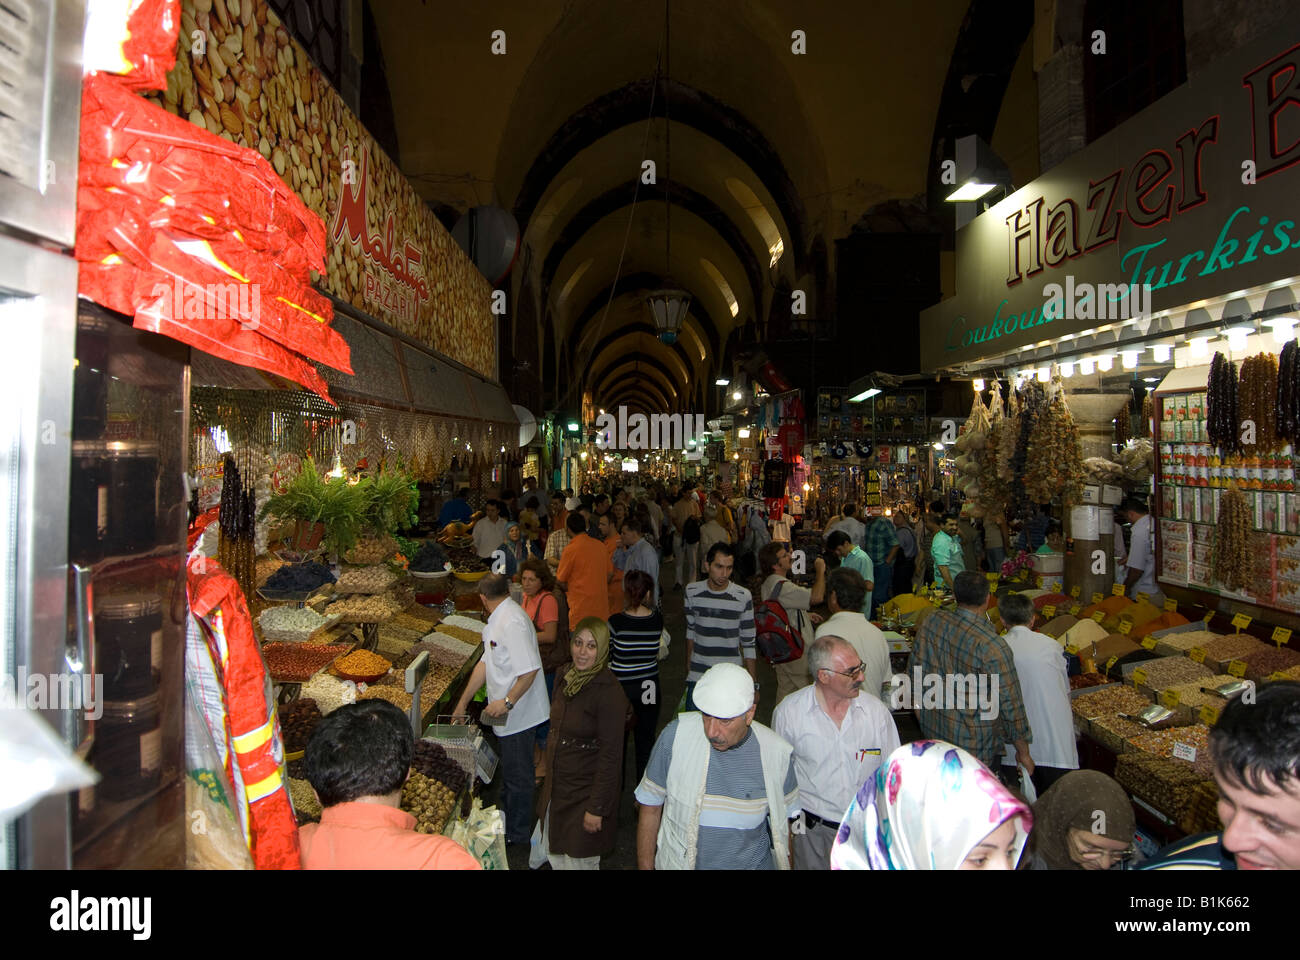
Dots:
pixel 391 500
pixel 324 512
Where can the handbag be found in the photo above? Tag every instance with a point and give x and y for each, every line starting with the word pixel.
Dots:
pixel 664 640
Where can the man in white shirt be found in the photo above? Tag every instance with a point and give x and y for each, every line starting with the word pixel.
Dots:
pixel 1141 575
pixel 850 524
pixel 489 530
pixel 839 739
pixel 511 668
pixel 845 591
pixel 1041 666
pixel 774 566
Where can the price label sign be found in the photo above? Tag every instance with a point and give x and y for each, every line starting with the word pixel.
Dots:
pixel 1049 612
pixel 1237 668
pixel 1097 598
pixel 1099 616
pixel 1139 677
pixel 1117 589
pixel 1281 635
pixel 1171 606
pixel 1110 664
pixel 1074 610
pixel 1185 751
pixel 1278 675
pixel 992 577
pixel 1148 643
pixel 1142 597
pixel 1169 698
pixel 1241 621
pixel 1074 591
pixel 1209 615
pixel 1125 627
pixel 1072 650
pixel 1209 715
pixel 1197 654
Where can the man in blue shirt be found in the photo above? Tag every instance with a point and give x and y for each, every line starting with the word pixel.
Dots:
pixel 636 553
pixel 456 510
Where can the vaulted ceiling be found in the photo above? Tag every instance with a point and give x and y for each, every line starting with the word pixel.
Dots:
pixel 772 151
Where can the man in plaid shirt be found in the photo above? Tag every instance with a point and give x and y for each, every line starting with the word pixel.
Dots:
pixel 964 643
pixel 881 544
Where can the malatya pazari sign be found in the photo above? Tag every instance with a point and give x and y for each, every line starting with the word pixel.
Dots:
pixel 1197 196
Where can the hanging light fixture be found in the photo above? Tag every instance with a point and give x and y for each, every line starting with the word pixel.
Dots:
pixel 669 304
pixel 1279 304
pixel 1160 352
pixel 1067 369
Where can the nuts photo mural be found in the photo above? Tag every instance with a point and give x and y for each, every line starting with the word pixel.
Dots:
pixel 240 75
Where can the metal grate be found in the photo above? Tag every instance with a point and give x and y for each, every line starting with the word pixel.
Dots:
pixel 24 34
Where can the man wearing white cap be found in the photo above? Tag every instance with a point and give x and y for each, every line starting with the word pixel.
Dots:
pixel 720 789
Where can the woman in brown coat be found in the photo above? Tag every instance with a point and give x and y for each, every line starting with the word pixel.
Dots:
pixel 578 808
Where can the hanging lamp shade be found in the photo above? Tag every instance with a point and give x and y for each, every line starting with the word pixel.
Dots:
pixel 668 309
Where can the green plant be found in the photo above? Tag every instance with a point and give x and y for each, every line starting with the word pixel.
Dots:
pixel 336 504
pixel 392 501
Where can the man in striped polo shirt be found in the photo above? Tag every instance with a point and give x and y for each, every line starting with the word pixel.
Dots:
pixel 719 621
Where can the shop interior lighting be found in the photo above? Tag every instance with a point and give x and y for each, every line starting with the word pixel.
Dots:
pixel 1160 352
pixel 938 446
pixel 979 384
pixel 1200 347
pixel 1150 379
pixel 1105 361
pixel 1085 366
pixel 864 395
pixel 1130 359
pixel 743 433
pixel 1044 374
pixel 722 382
pixel 1283 329
pixel 972 189
pixel 1237 337
pixel 1067 369
pixel 735 395
pixel 1280 308
pixel 735 456
pixel 573 426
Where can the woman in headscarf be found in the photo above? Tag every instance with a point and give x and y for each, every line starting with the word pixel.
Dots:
pixel 932 806
pixel 1084 821
pixel 578 807
pixel 516 547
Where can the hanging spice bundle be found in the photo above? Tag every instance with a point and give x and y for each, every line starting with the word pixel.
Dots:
pixel 1054 460
pixel 971 446
pixel 1033 405
pixel 994 491
pixel 1288 394
pixel 1221 405
pixel 1008 437
pixel 1148 416
pixel 1257 404
pixel 237 520
pixel 1123 427
pixel 1230 560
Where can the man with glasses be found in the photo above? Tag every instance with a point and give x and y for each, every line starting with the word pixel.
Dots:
pixel 839 739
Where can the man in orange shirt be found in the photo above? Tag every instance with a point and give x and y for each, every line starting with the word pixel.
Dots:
pixel 584 574
pixel 358 758
pixel 609 536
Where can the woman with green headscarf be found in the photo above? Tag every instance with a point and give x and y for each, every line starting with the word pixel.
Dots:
pixel 1084 821
pixel 578 808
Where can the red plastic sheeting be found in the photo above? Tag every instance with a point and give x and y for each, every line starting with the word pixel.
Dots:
pixel 199 239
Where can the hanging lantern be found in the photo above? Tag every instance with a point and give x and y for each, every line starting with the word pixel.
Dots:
pixel 668 309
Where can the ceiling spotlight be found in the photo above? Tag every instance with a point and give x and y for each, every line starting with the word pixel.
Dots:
pixel 1085 366
pixel 1283 329
pixel 722 382
pixel 972 189
pixel 1067 369
pixel 1044 374
pixel 1130 359
pixel 735 395
pixel 1160 352
pixel 1200 347
pixel 978 384
pixel 1105 361
pixel 1237 337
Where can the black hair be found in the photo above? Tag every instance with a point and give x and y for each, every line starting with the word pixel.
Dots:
pixel 360 750
pixel 936 507
pixel 849 588
pixel 1134 504
pixel 576 523
pixel 600 498
pixel 639 589
pixel 849 509
pixel 837 539
pixel 634 523
pixel 720 547
pixel 1258 741
pixel 970 589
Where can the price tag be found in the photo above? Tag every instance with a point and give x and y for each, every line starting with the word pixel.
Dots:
pixel 1097 598
pixel 1074 591
pixel 1197 654
pixel 992 577
pixel 1110 664
pixel 1074 610
pixel 1072 650
pixel 1209 615
pixel 1171 606
pixel 1049 612
pixel 1139 677
pixel 1099 616
pixel 1209 715
pixel 1237 668
pixel 1125 626
pixel 1278 675
pixel 1241 621
pixel 1185 751
pixel 1169 698
pixel 1117 589
pixel 1148 643
pixel 1281 635
pixel 1142 597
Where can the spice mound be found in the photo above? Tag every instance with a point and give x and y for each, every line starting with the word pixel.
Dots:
pixel 363 663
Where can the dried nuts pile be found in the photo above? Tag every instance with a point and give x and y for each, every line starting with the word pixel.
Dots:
pixel 297 662
pixel 363 663
pixel 297 721
pixel 363 609
pixel 431 760
pixel 1111 700
pixel 429 801
pixel 304 799
pixel 330 693
pixel 372 579
pixel 1167 671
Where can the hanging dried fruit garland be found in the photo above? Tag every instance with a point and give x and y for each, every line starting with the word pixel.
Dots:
pixel 971 447
pixel 1257 404
pixel 1288 394
pixel 1230 560
pixel 1054 460
pixel 995 493
pixel 1221 405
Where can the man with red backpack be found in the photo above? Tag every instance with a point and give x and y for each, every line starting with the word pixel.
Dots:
pixel 783 618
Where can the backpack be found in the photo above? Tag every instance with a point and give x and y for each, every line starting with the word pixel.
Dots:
pixel 691 530
pixel 777 638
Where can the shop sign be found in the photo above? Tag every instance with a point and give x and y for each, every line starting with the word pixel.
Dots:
pixel 1195 197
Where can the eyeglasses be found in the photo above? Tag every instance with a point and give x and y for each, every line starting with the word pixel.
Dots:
pixel 859 670
pixel 1089 852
